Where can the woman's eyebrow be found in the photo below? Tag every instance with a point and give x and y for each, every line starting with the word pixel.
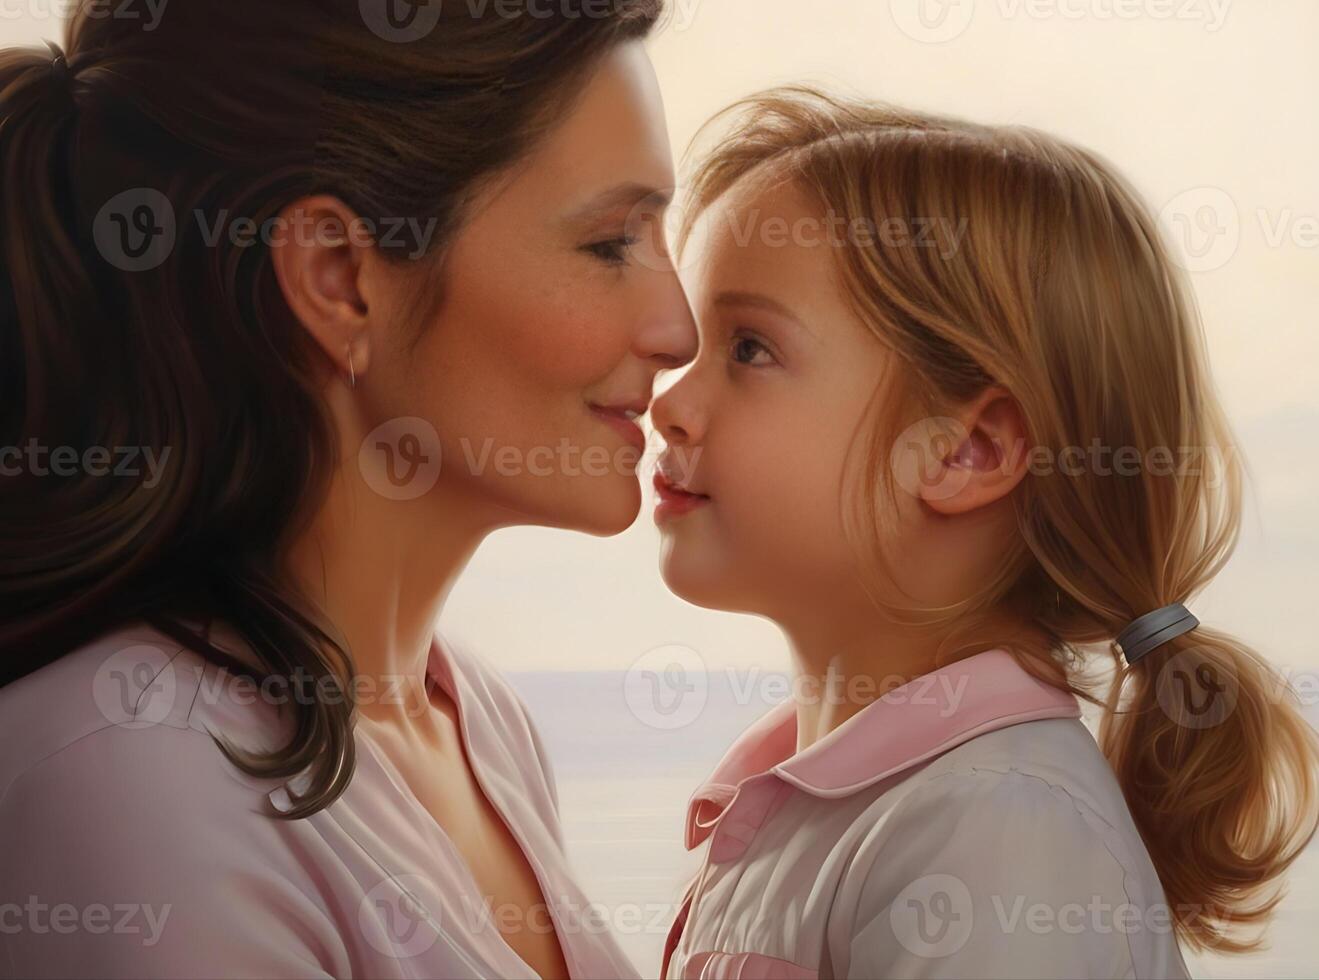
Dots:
pixel 629 194
pixel 760 301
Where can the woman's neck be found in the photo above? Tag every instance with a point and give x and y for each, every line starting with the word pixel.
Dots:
pixel 380 570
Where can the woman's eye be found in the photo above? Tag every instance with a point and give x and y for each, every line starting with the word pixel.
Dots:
pixel 751 352
pixel 613 251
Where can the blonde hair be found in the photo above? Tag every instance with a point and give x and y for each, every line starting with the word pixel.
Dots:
pixel 1062 292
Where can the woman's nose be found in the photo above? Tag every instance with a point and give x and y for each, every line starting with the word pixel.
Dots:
pixel 668 337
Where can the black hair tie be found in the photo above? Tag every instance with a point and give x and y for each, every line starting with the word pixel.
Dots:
pixel 59 66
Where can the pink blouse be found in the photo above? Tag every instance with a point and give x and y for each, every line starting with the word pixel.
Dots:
pixel 130 847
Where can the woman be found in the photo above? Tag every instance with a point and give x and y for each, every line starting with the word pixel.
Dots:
pixel 314 297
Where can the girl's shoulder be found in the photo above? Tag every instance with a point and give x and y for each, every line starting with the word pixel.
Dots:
pixel 1018 839
pixel 1041 786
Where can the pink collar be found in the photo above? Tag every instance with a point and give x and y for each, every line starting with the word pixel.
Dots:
pixel 910 724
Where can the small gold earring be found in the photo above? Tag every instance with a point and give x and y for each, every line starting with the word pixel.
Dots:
pixel 352 374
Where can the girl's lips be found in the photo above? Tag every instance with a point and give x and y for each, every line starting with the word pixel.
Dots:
pixel 622 424
pixel 672 501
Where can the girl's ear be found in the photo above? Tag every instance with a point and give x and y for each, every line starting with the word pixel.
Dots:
pixel 319 254
pixel 985 459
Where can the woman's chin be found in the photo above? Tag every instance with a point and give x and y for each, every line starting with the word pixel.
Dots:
pixel 608 510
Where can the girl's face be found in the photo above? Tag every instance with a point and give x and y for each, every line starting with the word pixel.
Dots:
pixel 559 308
pixel 761 423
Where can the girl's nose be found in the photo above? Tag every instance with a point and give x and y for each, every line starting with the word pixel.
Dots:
pixel 677 415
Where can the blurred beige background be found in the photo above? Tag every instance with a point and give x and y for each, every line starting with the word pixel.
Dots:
pixel 1209 106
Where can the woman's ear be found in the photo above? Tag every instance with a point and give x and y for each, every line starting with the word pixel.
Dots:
pixel 981 460
pixel 319 253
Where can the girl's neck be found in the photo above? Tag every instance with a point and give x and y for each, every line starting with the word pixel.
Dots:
pixel 838 671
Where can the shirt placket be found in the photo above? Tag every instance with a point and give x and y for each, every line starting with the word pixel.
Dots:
pixel 733 831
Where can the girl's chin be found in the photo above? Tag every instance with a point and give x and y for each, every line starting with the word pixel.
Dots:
pixel 690 576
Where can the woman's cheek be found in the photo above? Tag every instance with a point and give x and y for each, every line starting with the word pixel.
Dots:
pixel 572 337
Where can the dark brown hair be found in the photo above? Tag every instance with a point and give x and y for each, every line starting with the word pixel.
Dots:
pixel 221 110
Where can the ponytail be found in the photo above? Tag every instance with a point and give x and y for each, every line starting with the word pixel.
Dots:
pixel 1218 767
pixel 45 283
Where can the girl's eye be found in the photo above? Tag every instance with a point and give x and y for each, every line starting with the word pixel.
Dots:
pixel 750 351
pixel 612 251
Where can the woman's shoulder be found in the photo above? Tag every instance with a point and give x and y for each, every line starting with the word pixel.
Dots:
pixel 131 691
pixel 110 778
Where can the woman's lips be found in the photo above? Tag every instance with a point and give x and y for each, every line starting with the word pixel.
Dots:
pixel 672 501
pixel 617 418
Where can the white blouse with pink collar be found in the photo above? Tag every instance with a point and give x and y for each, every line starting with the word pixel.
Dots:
pixel 964 825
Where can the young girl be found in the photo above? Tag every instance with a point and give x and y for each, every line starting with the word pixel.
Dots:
pixel 951 427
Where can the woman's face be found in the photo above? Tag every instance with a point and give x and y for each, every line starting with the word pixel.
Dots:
pixel 559 308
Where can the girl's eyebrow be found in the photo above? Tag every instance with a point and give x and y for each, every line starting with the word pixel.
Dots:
pixel 760 301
